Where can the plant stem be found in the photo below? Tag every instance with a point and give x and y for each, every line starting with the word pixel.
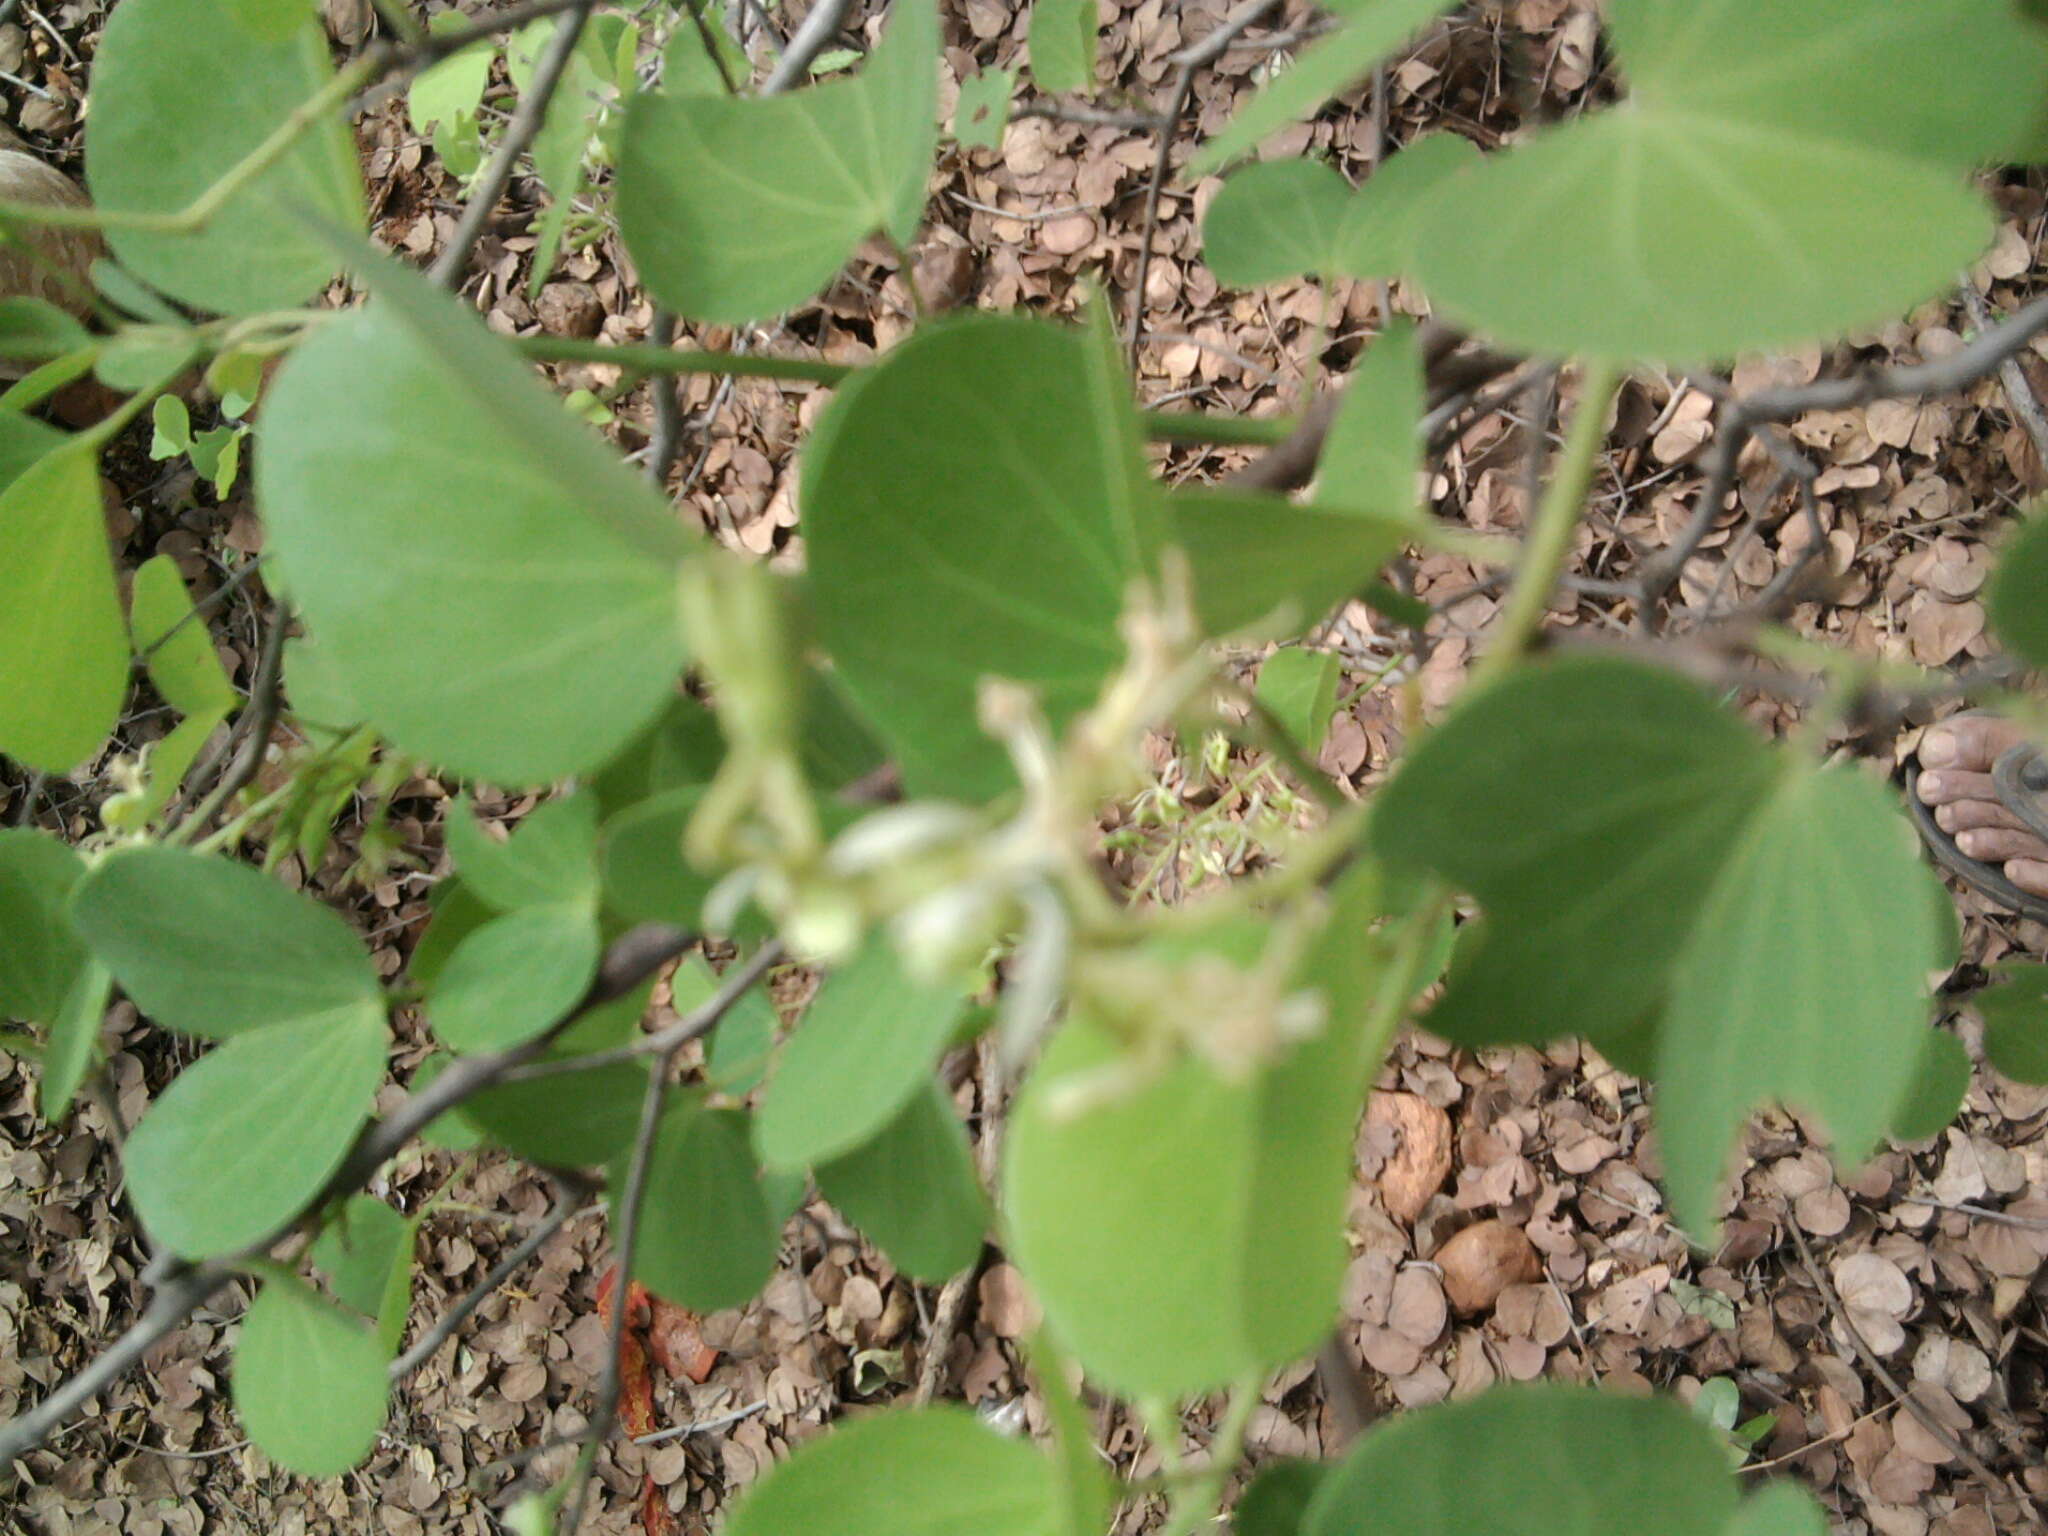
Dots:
pixel 198 213
pixel 671 360
pixel 1195 1501
pixel 1229 431
pixel 1549 543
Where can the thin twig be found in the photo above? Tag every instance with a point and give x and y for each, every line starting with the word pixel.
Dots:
pixel 810 40
pixel 1993 1484
pixel 572 1193
pixel 701 1426
pixel 2012 378
pixel 258 719
pixel 667 435
pixel 449 267
pixel 182 1286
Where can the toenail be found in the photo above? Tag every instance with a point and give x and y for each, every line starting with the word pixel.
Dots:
pixel 1971 843
pixel 1938 746
pixel 1945 818
pixel 1932 784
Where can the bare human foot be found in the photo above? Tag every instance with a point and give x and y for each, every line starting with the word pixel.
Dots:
pixel 1955 780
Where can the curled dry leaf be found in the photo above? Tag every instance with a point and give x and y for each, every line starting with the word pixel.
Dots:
pixel 1484 1260
pixel 1421 1157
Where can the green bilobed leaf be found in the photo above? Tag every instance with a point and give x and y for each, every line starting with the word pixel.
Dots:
pixel 357 1249
pixel 1375 29
pixel 912 1190
pixel 923 1472
pixel 983 110
pixel 524 631
pixel 549 858
pixel 1062 43
pixel 1713 212
pixel 35 330
pixel 175 646
pixel 514 976
pixel 63 649
pixel 2018 599
pixel 866 1045
pixel 1803 980
pixel 745 1037
pixel 1941 1079
pixel 455 912
pixel 1584 1463
pixel 23 440
pixel 1588 803
pixel 737 209
pixel 1385 215
pixel 975 506
pixel 707 1238
pixel 215 948
pixel 1373 451
pixel 1265 562
pixel 251 1132
pixel 308 1381
pixel 74 1039
pixel 1275 221
pixel 2015 1014
pixel 1188 1230
pixel 837 746
pixel 180 72
pixel 1300 688
pixel 41 959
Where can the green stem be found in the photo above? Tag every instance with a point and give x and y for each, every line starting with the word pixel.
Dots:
pixel 1549 543
pixel 198 213
pixel 675 360
pixel 231 833
pixel 1227 431
pixel 1195 1501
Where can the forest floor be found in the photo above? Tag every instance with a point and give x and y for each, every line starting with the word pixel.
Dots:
pixel 1927 1260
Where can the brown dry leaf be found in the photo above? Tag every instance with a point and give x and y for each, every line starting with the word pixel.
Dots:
pixel 1484 1260
pixel 1418 1311
pixel 1877 1294
pixel 1420 1159
pixel 1007 1305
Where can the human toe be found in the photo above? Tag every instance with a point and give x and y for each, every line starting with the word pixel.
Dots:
pixel 1969 742
pixel 1994 844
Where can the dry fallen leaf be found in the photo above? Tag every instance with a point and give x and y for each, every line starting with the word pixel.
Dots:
pixel 1421 1157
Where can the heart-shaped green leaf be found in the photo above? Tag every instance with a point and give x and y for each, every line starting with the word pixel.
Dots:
pixel 1265 562
pixel 1372 454
pixel 181 73
pixel 1385 216
pixel 736 209
pixel 551 857
pixel 2018 599
pixel 514 976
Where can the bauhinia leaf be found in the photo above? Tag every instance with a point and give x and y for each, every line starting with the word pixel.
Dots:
pixel 63 649
pixel 1585 1463
pixel 2018 600
pixel 1804 980
pixel 736 208
pixel 180 72
pixel 524 631
pixel 215 948
pixel 932 1471
pixel 515 975
pixel 911 1189
pixel 1714 211
pixel 864 1048
pixel 250 1133
pixel 708 1239
pixel 1264 562
pixel 1373 451
pixel 1588 803
pixel 1276 221
pixel 308 1381
pixel 2015 1014
pixel 975 506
